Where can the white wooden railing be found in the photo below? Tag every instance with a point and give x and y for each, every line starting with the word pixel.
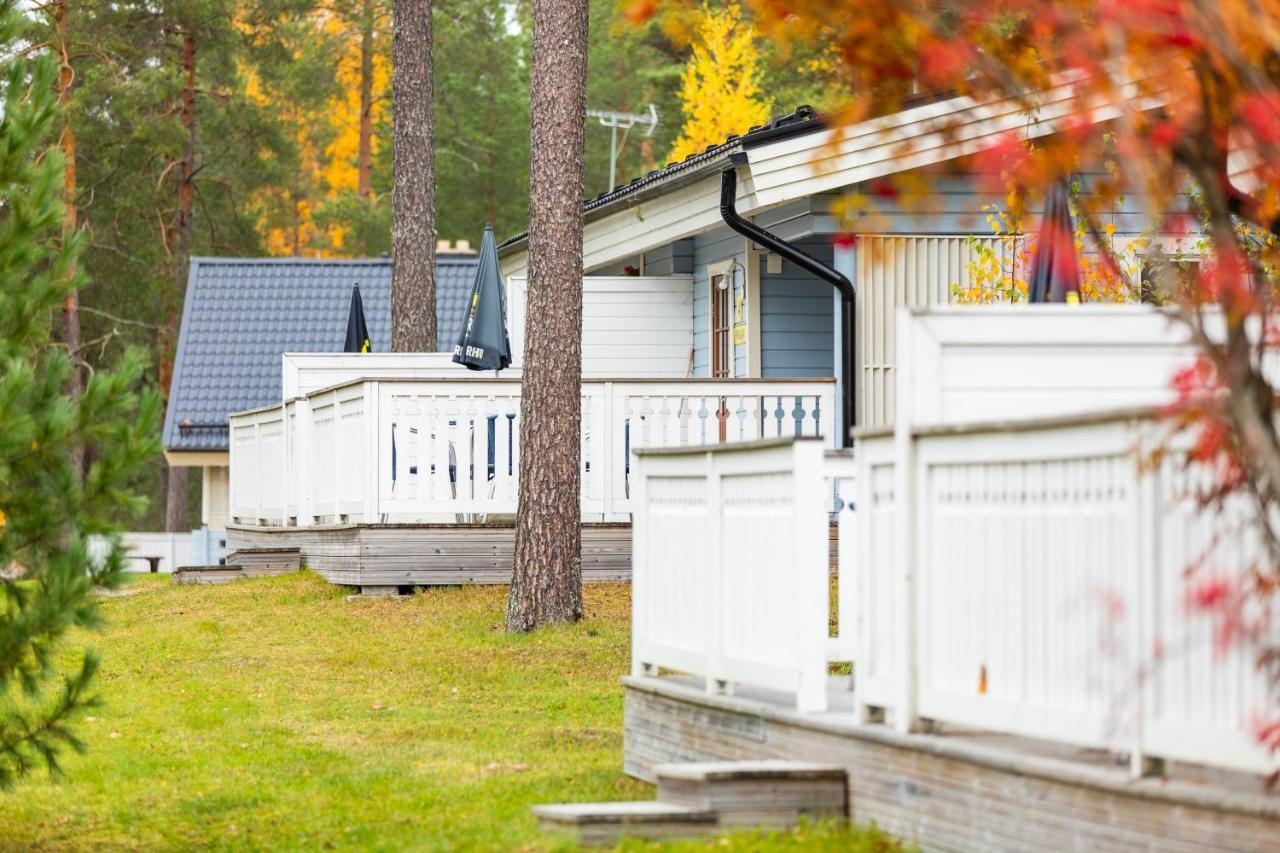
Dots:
pixel 406 450
pixel 729 575
pixel 1037 587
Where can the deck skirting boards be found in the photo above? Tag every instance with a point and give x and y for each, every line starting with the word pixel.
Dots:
pixel 427 554
pixel 953 791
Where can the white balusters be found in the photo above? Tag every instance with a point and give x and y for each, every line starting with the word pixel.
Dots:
pixel 456 449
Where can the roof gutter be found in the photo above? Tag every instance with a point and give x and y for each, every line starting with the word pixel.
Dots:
pixel 815 268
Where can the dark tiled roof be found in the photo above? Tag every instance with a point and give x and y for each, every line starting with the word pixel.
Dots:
pixel 242 314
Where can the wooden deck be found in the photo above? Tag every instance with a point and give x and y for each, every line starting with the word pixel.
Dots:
pixel 391 555
pixel 958 790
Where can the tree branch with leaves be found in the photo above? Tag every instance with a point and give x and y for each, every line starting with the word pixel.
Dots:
pixel 48 510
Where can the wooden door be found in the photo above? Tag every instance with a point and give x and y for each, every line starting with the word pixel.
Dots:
pixel 721 320
pixel 721 342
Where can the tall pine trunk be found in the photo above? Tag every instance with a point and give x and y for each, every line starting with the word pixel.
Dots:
pixel 67 142
pixel 413 191
pixel 547 583
pixel 175 514
pixel 364 151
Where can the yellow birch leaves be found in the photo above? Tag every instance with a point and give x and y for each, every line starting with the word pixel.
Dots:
pixel 720 91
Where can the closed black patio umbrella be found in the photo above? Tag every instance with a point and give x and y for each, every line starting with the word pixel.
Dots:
pixel 483 344
pixel 357 329
pixel 1055 271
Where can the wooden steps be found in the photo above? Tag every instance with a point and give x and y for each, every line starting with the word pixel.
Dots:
pixel 704 798
pixel 275 559
pixel 241 564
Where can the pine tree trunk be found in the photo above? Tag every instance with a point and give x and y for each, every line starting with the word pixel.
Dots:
pixel 175 515
pixel 67 142
pixel 364 152
pixel 547 582
pixel 413 197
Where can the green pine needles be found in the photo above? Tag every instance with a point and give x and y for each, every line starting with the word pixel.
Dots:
pixel 48 510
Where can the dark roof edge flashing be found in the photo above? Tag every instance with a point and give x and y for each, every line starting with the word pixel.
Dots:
pixel 708 161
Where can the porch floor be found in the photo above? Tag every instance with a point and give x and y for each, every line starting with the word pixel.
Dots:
pixel 390 555
pixel 955 789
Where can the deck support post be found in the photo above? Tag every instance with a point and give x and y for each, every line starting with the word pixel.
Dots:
pixel 379 591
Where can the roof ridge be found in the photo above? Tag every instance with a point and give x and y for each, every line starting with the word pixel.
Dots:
pixel 442 257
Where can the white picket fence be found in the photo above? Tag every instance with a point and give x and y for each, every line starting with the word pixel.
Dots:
pixel 411 450
pixel 173 549
pixel 1010 561
pixel 1037 587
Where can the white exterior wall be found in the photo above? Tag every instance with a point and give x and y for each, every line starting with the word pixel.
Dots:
pixel 632 326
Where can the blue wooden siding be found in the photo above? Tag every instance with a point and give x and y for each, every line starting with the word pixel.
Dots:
pixel 959 204
pixel 797 318
pixel 797 312
pixel 673 259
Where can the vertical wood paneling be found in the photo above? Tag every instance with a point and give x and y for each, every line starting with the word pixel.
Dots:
pixel 896 272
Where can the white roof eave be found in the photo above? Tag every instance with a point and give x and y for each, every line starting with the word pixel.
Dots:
pixel 809 164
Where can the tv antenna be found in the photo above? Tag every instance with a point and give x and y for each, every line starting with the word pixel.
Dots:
pixel 614 120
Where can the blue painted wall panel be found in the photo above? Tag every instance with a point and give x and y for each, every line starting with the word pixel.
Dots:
pixel 672 259
pixel 797 318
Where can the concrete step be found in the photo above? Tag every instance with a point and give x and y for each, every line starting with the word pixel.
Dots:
pixel 771 794
pixel 704 798
pixel 604 824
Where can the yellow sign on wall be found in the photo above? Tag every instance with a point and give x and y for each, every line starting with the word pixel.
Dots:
pixel 740 333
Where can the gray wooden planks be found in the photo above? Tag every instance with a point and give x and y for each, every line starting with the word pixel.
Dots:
pixel 426 554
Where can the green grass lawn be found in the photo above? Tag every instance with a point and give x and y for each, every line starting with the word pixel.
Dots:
pixel 272 713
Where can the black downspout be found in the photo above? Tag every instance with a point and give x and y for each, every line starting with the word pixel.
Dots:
pixel 848 295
